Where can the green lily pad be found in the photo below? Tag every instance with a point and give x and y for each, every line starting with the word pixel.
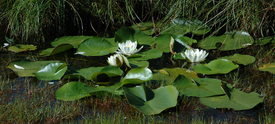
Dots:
pixel 239 100
pixel 86 72
pixel 146 55
pixel 240 59
pixel 265 40
pixel 25 68
pixel 162 43
pixel 21 47
pixel 143 38
pixel 146 27
pixel 135 64
pixel 149 101
pixel 184 26
pixel 137 76
pixel 71 91
pixel 268 67
pixel 112 89
pixel 218 66
pixel 124 34
pixel 72 40
pixel 51 71
pixel 109 74
pixel 178 44
pixel 199 87
pixel 168 75
pixel 96 46
pixel 230 41
pixel 52 51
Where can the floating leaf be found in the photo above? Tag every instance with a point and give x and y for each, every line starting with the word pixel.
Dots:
pixel 149 101
pixel 21 47
pixel 230 41
pixel 135 64
pixel 199 87
pixel 137 76
pixel 25 68
pixel 240 59
pixel 149 54
pixel 184 26
pixel 268 67
pixel 86 72
pixel 112 89
pixel 218 66
pixel 96 46
pixel 146 27
pixel 170 74
pixel 71 91
pixel 239 100
pixel 124 34
pixel 266 40
pixel 162 43
pixel 109 74
pixel 142 38
pixel 51 71
pixel 56 50
pixel 72 40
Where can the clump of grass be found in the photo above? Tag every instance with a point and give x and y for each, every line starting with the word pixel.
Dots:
pixel 38 18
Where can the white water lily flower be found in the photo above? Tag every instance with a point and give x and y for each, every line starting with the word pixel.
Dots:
pixel 6 44
pixel 196 55
pixel 118 60
pixel 128 48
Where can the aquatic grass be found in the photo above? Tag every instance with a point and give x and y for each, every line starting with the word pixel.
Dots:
pixel 36 18
pixel 26 18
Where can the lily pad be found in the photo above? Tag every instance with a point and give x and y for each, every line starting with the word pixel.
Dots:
pixel 183 26
pixel 199 87
pixel 25 68
pixel 96 46
pixel 86 72
pixel 146 55
pixel 112 89
pixel 149 101
pixel 268 67
pixel 51 71
pixel 229 41
pixel 143 38
pixel 240 59
pixel 109 74
pixel 124 34
pixel 137 76
pixel 265 40
pixel 72 40
pixel 218 66
pixel 135 64
pixel 21 47
pixel 239 100
pixel 162 43
pixel 146 27
pixel 56 50
pixel 168 75
pixel 71 91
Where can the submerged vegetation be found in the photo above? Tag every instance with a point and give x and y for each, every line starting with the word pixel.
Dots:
pixel 183 62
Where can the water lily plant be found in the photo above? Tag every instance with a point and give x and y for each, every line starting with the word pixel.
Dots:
pixel 195 55
pixel 118 60
pixel 128 48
